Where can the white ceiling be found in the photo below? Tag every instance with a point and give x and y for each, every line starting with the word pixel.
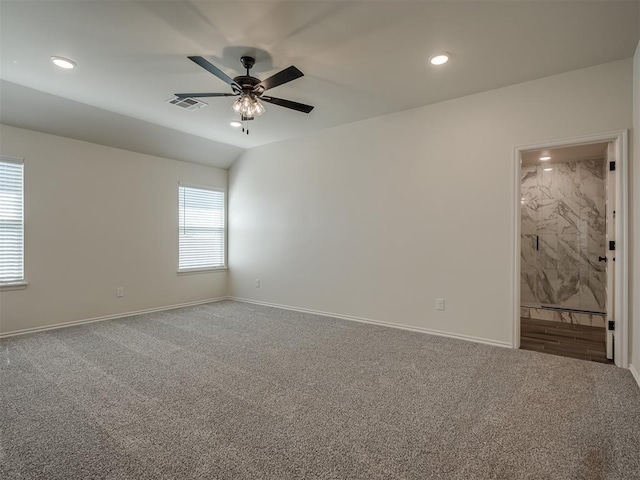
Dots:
pixel 27 108
pixel 361 59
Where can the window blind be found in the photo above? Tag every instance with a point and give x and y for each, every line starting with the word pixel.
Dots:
pixel 11 220
pixel 201 228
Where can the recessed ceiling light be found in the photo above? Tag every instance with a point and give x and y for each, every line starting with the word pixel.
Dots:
pixel 63 62
pixel 545 158
pixel 548 169
pixel 235 124
pixel 439 59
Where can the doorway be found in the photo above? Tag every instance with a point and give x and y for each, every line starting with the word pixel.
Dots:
pixel 570 277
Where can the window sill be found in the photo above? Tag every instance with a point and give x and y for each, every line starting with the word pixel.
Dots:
pixel 13 286
pixel 194 271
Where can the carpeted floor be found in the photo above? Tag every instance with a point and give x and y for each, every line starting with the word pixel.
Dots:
pixel 237 391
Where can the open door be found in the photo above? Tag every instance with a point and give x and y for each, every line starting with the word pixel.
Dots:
pixel 606 261
pixel 610 252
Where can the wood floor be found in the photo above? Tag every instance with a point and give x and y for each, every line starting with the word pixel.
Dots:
pixel 564 339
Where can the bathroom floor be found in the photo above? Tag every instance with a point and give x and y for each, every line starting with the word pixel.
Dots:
pixel 564 339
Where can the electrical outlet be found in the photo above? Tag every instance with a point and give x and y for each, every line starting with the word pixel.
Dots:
pixel 439 303
pixel 120 292
pixel 257 283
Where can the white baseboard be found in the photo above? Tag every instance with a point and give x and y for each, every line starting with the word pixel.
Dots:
pixel 635 374
pixel 107 317
pixel 439 333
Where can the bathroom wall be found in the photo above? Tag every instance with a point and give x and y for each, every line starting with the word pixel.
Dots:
pixel 564 210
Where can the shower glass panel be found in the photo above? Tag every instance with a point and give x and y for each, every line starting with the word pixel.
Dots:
pixel 563 235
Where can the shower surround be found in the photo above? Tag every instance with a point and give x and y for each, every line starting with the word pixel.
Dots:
pixel 563 236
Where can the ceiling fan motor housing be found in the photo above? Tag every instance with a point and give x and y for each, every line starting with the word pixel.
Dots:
pixel 248 84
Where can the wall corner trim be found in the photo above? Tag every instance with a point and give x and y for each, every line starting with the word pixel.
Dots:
pixel 429 331
pixel 107 317
pixel 635 373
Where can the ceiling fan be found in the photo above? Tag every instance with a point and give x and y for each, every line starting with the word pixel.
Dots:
pixel 250 90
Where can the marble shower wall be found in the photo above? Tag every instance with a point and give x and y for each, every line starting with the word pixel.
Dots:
pixel 565 210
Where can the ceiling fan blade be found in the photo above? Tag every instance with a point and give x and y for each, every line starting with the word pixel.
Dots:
pixel 196 95
pixel 281 77
pixel 209 67
pixel 300 107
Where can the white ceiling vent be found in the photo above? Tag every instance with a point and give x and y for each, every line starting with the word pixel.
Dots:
pixel 187 103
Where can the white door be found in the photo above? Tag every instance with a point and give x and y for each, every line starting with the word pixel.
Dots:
pixel 610 254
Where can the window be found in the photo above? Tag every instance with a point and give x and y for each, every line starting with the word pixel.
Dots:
pixel 201 228
pixel 11 221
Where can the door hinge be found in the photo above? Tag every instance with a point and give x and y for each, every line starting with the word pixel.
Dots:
pixel 611 325
pixel 612 245
pixel 612 166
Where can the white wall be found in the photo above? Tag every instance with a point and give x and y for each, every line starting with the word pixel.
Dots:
pixel 378 218
pixel 97 218
pixel 634 201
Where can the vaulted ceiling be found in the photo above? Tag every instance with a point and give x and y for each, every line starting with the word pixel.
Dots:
pixel 361 59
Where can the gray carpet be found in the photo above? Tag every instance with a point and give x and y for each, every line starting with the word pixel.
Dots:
pixel 237 391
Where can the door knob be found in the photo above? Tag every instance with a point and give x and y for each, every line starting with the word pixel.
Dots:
pixel 602 259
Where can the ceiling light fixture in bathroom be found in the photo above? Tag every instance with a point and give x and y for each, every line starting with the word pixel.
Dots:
pixel 545 158
pixel 439 58
pixel 63 62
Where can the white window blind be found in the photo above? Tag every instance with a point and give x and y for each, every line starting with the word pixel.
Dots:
pixel 202 228
pixel 11 220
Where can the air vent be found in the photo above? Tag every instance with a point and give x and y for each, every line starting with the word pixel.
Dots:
pixel 187 103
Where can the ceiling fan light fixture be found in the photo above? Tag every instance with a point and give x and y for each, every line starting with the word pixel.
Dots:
pixel 236 124
pixel 63 62
pixel 248 105
pixel 439 58
pixel 237 106
pixel 258 109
